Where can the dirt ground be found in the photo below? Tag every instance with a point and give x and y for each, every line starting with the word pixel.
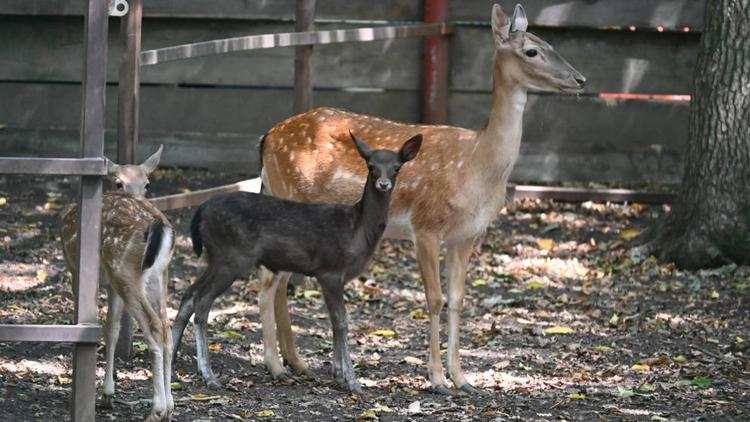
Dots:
pixel 561 322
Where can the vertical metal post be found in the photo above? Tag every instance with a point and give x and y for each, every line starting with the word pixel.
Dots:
pixel 304 21
pixel 128 85
pixel 90 204
pixel 435 69
pixel 127 125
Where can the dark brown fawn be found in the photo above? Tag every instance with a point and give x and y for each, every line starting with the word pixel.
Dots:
pixel 333 243
pixel 137 246
pixel 448 197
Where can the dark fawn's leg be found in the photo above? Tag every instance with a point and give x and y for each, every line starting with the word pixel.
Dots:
pixel 284 328
pixel 456 262
pixel 428 258
pixel 187 308
pixel 204 298
pixel 343 371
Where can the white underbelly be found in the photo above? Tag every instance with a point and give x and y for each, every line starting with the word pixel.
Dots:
pixel 400 227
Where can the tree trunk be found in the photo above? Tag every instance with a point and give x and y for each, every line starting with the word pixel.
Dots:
pixel 710 222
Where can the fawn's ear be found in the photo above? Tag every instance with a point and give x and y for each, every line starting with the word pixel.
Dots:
pixel 500 27
pixel 410 148
pixel 111 166
pixel 362 147
pixel 151 162
pixel 519 22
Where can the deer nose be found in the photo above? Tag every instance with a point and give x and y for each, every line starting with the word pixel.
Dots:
pixel 580 80
pixel 383 185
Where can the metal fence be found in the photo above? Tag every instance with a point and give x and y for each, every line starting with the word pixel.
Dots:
pixel 85 333
pixel 91 166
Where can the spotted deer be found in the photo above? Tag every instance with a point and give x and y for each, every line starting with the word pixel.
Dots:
pixel 136 248
pixel 447 198
pixel 333 243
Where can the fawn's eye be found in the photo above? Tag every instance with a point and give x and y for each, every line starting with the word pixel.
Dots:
pixel 119 185
pixel 531 53
pixel 147 185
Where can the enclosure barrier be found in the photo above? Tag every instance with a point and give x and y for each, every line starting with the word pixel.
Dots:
pixel 85 333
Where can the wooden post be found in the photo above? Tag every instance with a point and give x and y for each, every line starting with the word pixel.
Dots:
pixel 304 21
pixel 435 67
pixel 89 211
pixel 127 126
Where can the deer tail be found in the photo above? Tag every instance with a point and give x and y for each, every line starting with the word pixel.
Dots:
pixel 195 232
pixel 158 245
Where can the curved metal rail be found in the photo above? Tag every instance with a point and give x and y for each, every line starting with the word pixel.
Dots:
pixel 290 39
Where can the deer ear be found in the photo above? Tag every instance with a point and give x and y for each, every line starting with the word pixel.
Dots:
pixel 410 148
pixel 362 147
pixel 111 166
pixel 500 27
pixel 519 21
pixel 151 162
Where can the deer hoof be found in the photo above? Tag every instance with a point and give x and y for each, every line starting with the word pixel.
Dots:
pixel 352 386
pixel 301 369
pixel 107 402
pixel 286 378
pixel 442 390
pixel 213 383
pixel 157 416
pixel 471 390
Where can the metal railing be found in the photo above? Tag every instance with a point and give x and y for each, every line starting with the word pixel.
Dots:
pixel 435 59
pixel 85 332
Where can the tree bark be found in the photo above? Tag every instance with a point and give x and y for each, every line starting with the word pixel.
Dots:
pixel 709 224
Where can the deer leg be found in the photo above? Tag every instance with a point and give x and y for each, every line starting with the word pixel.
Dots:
pixel 111 333
pixel 187 308
pixel 343 371
pixel 214 286
pixel 428 259
pixel 151 325
pixel 167 342
pixel 266 304
pixel 457 260
pixel 284 328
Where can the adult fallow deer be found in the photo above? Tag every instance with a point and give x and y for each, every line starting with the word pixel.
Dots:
pixel 137 246
pixel 447 197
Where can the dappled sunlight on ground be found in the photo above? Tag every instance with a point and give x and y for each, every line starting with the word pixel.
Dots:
pixel 560 321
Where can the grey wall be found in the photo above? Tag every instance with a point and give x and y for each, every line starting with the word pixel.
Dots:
pixel 210 111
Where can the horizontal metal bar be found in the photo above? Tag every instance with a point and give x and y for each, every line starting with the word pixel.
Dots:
pixel 595 195
pixel 190 199
pixel 54 166
pixel 198 197
pixel 82 333
pixel 290 39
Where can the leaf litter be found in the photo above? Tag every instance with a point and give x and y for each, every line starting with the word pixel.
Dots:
pixel 561 321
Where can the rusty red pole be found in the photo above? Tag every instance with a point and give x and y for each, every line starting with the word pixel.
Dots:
pixel 435 92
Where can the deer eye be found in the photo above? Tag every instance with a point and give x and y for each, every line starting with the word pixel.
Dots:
pixel 119 185
pixel 147 185
pixel 531 53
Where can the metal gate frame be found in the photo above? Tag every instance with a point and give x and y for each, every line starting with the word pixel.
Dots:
pixel 85 332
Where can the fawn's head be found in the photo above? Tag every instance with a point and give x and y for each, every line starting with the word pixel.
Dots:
pixel 133 178
pixel 528 59
pixel 383 165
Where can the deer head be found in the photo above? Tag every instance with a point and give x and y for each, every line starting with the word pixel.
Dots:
pixel 133 178
pixel 382 164
pixel 528 59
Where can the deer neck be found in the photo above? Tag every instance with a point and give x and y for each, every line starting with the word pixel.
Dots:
pixel 498 143
pixel 371 216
